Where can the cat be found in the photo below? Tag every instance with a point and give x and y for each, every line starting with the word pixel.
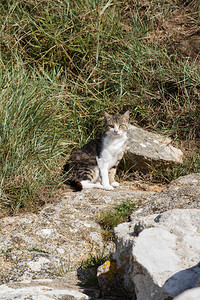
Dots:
pixel 94 165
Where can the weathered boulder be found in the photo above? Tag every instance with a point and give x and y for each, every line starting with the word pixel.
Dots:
pixel 163 253
pixel 184 192
pixel 65 287
pixel 110 279
pixel 35 248
pixel 51 244
pixel 146 147
pixel 39 292
pixel 192 294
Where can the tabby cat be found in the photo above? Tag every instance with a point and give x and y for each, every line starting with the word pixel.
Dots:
pixel 94 165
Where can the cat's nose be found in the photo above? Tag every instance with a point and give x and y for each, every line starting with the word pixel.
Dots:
pixel 115 131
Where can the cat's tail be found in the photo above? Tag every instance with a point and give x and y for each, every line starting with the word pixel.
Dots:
pixel 76 184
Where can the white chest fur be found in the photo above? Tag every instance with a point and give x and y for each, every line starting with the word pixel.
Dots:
pixel 112 147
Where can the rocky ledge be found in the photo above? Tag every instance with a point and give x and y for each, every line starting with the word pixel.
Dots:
pixel 40 253
pixel 158 252
pixel 156 255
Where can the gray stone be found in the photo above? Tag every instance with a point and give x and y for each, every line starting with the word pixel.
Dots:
pixel 183 192
pixel 39 292
pixel 53 242
pixel 164 256
pixel 192 294
pixel 145 147
pixel 110 279
pixel 39 247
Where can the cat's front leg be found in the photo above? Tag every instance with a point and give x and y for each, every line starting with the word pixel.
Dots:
pixel 112 173
pixel 115 184
pixel 105 179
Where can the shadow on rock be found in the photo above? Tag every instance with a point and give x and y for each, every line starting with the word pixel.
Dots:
pixel 102 283
pixel 183 280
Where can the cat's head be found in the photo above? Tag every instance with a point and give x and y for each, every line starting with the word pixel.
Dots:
pixel 116 125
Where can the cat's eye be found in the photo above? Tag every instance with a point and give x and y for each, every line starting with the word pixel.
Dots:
pixel 123 126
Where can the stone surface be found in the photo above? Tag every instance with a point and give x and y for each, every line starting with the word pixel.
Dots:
pixel 110 279
pixel 145 147
pixel 49 245
pixel 54 241
pixel 163 253
pixel 183 192
pixel 63 288
pixel 40 293
pixel 192 294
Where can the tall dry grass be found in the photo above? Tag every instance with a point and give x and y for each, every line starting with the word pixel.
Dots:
pixel 62 63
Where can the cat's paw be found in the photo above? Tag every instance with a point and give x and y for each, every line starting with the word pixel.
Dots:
pixel 108 187
pixel 115 184
pixel 99 185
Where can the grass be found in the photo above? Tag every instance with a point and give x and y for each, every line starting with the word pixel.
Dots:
pixel 191 164
pixel 119 213
pixel 6 251
pixel 38 251
pixel 88 268
pixel 64 269
pixel 94 261
pixel 63 62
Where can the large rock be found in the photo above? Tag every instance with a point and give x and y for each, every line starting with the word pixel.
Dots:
pixel 146 147
pixel 192 294
pixel 163 254
pixel 110 280
pixel 65 287
pixel 184 192
pixel 51 244
pixel 39 292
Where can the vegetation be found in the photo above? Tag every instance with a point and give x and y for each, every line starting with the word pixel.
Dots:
pixel 65 268
pixel 63 62
pixel 88 268
pixel 119 213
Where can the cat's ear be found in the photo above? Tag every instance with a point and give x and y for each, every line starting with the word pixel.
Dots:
pixel 106 115
pixel 126 115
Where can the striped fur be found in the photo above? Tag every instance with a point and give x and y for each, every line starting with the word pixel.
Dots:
pixel 94 165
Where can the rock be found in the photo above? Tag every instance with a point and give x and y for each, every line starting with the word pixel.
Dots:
pixel 192 294
pixel 110 279
pixel 145 147
pixel 164 256
pixel 124 242
pixel 51 244
pixel 40 292
pixel 183 192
